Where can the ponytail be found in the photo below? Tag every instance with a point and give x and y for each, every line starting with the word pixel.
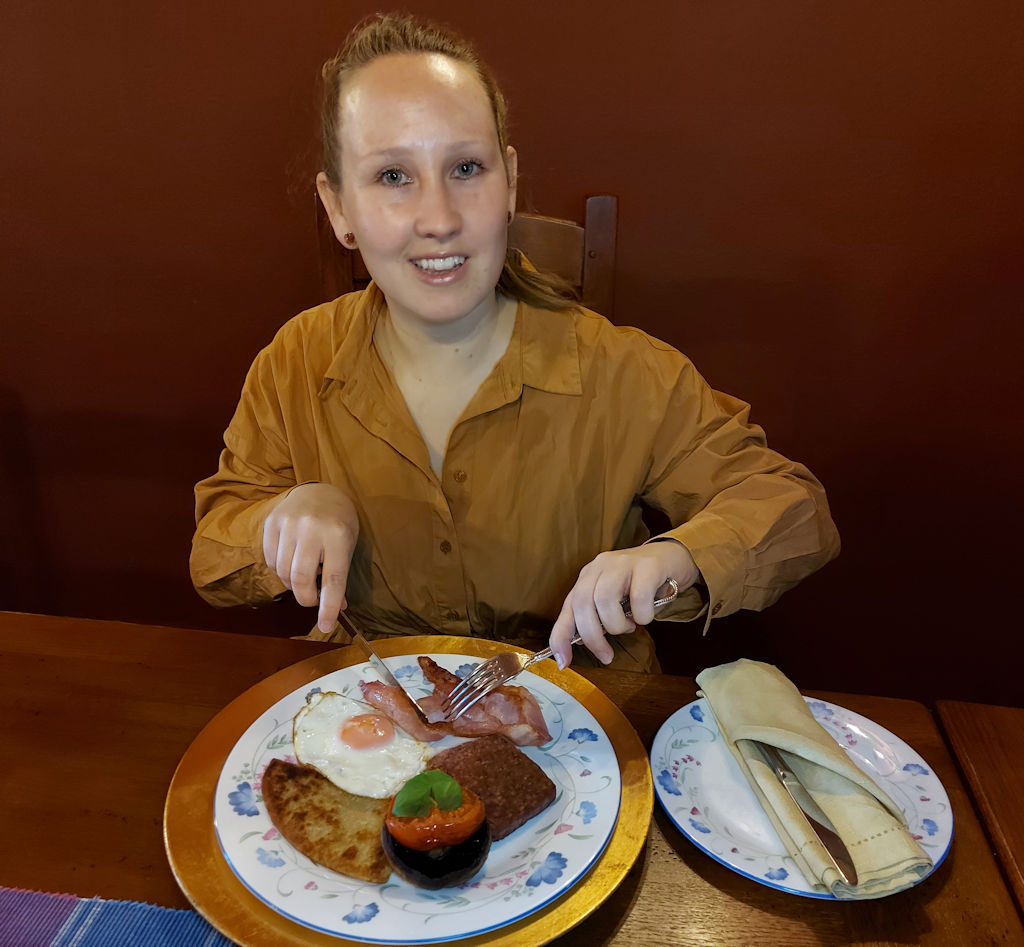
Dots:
pixel 521 280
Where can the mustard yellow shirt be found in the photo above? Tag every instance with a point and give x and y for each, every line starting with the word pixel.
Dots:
pixel 579 421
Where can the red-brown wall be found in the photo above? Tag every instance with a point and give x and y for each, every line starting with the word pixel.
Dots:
pixel 820 203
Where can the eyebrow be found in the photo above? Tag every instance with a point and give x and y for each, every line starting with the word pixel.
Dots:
pixel 388 154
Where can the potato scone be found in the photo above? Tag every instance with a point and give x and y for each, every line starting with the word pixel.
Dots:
pixel 332 827
pixel 513 788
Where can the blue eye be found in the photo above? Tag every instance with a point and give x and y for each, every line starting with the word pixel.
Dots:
pixel 394 177
pixel 467 169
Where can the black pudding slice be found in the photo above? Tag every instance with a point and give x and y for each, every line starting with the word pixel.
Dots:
pixel 441 867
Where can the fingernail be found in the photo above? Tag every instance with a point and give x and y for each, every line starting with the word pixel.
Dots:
pixel 560 661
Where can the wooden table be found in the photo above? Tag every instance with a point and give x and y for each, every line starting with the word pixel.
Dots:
pixel 989 745
pixel 96 716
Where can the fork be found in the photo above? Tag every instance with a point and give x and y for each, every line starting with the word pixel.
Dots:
pixel 506 665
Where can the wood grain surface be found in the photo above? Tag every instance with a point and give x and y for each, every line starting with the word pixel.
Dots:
pixel 988 743
pixel 97 715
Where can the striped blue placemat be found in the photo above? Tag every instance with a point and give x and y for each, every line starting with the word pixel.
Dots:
pixel 37 919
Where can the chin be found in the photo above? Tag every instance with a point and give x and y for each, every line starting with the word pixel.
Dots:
pixel 441 305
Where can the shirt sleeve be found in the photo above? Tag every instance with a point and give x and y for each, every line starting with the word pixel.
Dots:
pixel 254 473
pixel 755 522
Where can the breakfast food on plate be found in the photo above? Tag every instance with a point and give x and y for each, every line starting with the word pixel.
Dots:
pixel 435 834
pixel 334 828
pixel 358 750
pixel 513 787
pixel 509 710
pixel 393 702
pixel 335 807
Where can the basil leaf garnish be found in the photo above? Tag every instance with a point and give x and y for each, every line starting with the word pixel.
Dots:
pixel 416 798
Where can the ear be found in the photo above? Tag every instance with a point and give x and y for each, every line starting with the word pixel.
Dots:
pixel 331 200
pixel 512 173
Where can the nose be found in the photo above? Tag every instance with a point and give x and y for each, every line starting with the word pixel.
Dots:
pixel 437 215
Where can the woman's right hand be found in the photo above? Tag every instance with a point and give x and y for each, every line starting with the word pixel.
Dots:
pixel 311 532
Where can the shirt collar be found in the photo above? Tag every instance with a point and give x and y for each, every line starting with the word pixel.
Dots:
pixel 543 346
pixel 355 327
pixel 549 350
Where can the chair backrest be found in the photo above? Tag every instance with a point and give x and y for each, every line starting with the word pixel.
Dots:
pixel 582 255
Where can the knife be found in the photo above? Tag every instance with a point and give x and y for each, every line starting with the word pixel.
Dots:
pixel 379 666
pixel 819 822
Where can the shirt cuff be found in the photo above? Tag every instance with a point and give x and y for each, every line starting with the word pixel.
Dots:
pixel 721 557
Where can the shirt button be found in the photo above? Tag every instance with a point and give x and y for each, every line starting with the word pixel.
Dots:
pixel 717 608
pixel 460 476
pixel 451 615
pixel 446 547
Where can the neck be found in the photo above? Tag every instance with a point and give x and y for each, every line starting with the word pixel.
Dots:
pixel 440 349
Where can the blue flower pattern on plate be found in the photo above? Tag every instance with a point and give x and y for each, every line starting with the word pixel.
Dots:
pixel 667 783
pixel 542 875
pixel 361 913
pixel 243 801
pixel 549 872
pixel 679 732
pixel 270 859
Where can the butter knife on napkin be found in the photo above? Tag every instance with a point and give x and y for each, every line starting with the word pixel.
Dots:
pixel 820 823
pixel 752 701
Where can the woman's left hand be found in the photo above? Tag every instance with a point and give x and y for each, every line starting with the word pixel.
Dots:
pixel 594 606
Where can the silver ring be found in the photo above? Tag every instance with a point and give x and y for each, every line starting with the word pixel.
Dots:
pixel 671 597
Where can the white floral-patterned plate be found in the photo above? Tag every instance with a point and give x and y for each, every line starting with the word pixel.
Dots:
pixel 702 789
pixel 524 871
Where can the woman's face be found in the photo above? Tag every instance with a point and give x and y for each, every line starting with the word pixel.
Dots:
pixel 424 186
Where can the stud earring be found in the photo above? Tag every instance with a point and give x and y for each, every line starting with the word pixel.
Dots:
pixel 349 238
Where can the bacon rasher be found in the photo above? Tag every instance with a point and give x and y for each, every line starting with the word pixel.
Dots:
pixel 509 710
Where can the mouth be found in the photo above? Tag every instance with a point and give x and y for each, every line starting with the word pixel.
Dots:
pixel 444 264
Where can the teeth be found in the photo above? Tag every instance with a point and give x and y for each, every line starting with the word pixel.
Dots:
pixel 445 263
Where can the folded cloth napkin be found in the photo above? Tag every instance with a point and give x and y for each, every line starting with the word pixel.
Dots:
pixel 755 701
pixel 37 919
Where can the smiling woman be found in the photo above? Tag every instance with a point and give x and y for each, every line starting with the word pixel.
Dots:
pixel 426 190
pixel 461 448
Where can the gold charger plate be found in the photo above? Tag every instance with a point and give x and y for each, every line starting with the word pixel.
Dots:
pixel 214 890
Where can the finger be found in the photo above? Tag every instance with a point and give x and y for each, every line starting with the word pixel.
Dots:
pixel 334 581
pixel 588 624
pixel 271 536
pixel 305 566
pixel 561 636
pixel 285 556
pixel 643 590
pixel 609 592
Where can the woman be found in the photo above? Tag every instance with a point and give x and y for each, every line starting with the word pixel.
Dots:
pixel 461 449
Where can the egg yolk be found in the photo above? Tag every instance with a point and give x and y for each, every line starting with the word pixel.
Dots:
pixel 366 731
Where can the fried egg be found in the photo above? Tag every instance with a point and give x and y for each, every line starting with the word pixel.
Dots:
pixel 357 749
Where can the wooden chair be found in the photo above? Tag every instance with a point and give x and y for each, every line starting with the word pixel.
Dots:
pixel 583 255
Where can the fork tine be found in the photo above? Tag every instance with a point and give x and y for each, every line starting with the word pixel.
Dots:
pixel 489 677
pixel 484 681
pixel 469 698
pixel 468 682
